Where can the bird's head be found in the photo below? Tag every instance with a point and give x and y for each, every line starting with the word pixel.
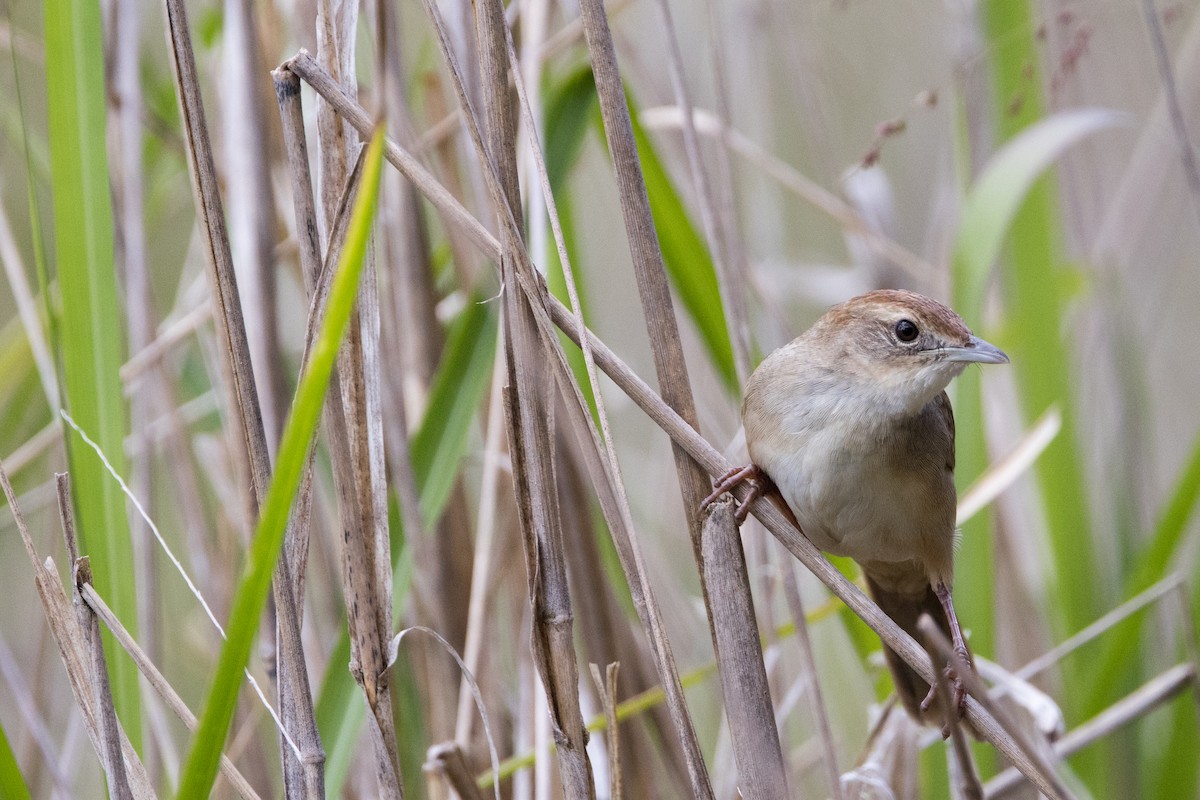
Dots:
pixel 901 346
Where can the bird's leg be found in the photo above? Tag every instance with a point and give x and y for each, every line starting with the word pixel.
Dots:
pixel 759 484
pixel 960 647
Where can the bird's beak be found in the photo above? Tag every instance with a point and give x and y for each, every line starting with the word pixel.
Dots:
pixel 975 351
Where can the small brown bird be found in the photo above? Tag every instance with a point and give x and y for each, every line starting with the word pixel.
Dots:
pixel 852 425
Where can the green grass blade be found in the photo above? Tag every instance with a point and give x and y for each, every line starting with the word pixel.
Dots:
pixel 689 264
pixel 12 782
pixel 1113 667
pixel 458 387
pixel 1036 303
pixel 437 449
pixel 91 320
pixel 251 596
pixel 991 207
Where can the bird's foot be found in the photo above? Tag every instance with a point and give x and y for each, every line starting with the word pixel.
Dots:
pixel 958 691
pixel 730 480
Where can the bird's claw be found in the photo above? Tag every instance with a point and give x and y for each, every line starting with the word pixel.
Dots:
pixel 958 692
pixel 730 481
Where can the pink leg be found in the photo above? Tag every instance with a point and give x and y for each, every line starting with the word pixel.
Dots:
pixel 730 480
pixel 960 647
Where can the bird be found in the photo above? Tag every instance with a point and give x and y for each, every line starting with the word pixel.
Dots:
pixel 851 426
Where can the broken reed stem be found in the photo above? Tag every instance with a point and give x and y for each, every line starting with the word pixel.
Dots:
pixel 1140 702
pixel 528 403
pixel 369 624
pixel 681 433
pixel 605 471
pixel 744 686
pixel 606 688
pixel 158 682
pixel 110 735
pixel 72 648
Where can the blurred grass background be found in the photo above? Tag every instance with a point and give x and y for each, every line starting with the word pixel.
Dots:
pixel 897 107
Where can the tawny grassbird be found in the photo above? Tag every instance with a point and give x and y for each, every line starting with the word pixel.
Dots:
pixel 852 425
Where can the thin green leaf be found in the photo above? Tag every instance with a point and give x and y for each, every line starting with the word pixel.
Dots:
pixel 91 320
pixel 251 596
pixel 12 782
pixel 1005 183
pixel 458 387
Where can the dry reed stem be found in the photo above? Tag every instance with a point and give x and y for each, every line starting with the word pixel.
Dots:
pixel 1140 702
pixel 529 412
pixel 666 418
pixel 606 688
pixel 657 306
pixel 109 727
pixel 748 707
pixel 74 650
pixel 967 775
pixel 295 696
pixel 158 682
pixel 366 619
pixel 606 473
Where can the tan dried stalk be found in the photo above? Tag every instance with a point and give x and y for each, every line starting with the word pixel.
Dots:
pixel 295 696
pixel 366 619
pixel 110 728
pixel 158 682
pixel 528 405
pixel 748 707
pixel 74 650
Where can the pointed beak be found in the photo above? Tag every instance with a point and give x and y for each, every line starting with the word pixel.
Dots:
pixel 976 351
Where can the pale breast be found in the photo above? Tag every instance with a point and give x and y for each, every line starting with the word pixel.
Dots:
pixel 857 490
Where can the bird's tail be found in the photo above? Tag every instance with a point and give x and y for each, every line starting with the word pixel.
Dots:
pixel 905 609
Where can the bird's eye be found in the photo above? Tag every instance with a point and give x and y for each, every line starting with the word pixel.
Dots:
pixel 906 331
